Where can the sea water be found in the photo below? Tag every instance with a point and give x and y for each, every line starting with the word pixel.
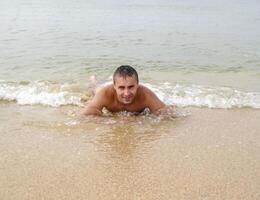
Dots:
pixel 195 53
pixel 191 53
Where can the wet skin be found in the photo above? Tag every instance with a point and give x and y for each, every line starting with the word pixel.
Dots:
pixel 125 94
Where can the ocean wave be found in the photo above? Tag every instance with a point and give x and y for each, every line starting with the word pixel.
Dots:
pixel 57 94
pixel 201 96
pixel 40 92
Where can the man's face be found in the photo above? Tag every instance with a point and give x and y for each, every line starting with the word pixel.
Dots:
pixel 126 88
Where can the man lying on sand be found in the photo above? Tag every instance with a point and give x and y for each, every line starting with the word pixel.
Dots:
pixel 125 94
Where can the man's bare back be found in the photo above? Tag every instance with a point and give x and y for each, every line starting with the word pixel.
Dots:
pixel 125 94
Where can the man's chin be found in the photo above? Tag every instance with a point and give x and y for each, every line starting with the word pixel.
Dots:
pixel 127 101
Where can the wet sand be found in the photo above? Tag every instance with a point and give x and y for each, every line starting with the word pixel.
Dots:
pixel 210 154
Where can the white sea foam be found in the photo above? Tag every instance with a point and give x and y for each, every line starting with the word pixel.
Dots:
pixel 55 94
pixel 201 96
pixel 39 93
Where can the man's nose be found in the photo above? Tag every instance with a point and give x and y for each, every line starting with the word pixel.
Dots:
pixel 126 92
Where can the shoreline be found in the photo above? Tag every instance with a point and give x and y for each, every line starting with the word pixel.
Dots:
pixel 211 153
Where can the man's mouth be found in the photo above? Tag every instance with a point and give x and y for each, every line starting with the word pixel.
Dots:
pixel 127 99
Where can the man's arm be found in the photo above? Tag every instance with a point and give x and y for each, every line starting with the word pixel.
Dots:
pixel 153 102
pixel 157 107
pixel 95 106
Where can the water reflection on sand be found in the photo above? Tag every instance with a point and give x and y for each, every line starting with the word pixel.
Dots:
pixel 45 153
pixel 121 136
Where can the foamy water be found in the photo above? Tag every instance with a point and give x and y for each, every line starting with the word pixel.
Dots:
pixel 55 94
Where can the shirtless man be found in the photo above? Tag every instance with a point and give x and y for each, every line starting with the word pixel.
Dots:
pixel 125 94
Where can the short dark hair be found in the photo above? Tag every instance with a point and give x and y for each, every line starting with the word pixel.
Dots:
pixel 124 71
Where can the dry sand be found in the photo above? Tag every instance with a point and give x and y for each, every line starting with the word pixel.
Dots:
pixel 210 154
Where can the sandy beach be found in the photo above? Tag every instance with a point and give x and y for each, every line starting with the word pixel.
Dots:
pixel 200 56
pixel 209 154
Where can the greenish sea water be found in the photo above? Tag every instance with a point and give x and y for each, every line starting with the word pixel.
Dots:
pixel 176 46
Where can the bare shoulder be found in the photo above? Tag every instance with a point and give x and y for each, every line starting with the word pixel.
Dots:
pixel 145 91
pixel 104 94
pixel 151 100
pixel 101 99
pixel 144 88
pixel 104 90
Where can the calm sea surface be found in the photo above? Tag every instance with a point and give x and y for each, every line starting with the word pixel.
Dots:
pixel 202 53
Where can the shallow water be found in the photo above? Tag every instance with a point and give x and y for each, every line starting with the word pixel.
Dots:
pixel 204 43
pixel 211 153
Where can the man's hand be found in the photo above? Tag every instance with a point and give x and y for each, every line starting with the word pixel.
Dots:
pixel 168 112
pixel 90 110
pixel 95 105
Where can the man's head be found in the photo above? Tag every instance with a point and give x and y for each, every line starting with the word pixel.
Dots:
pixel 124 71
pixel 126 81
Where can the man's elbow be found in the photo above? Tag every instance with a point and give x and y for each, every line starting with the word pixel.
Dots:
pixel 88 112
pixel 167 111
pixel 159 110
